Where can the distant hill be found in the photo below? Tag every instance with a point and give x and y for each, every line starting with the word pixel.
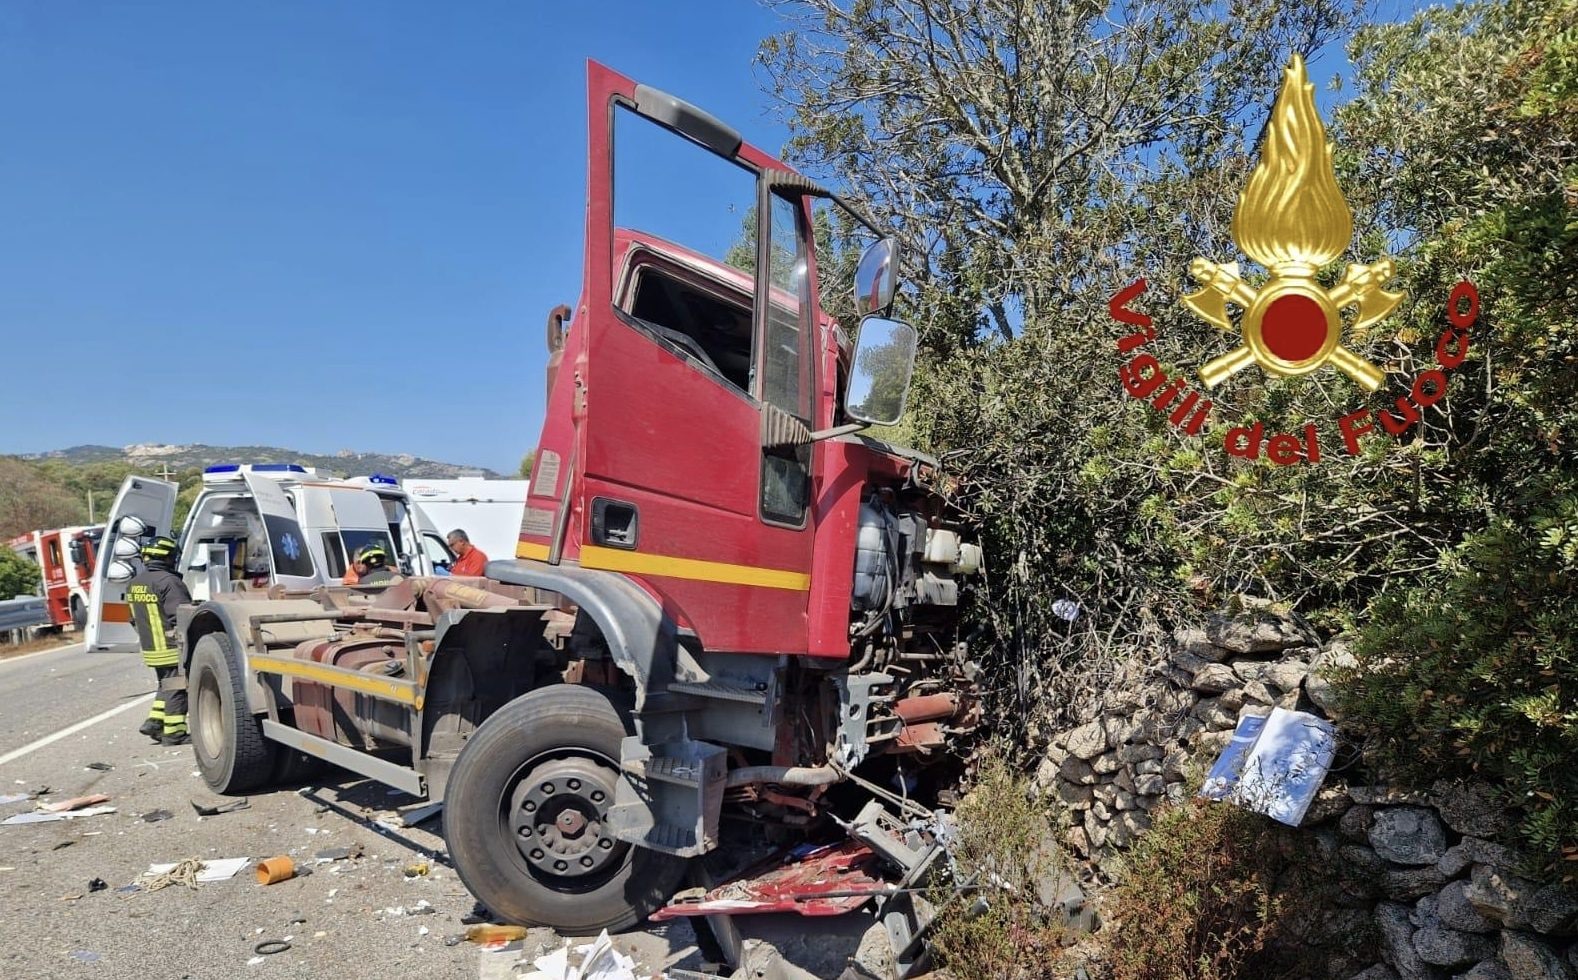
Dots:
pixel 149 457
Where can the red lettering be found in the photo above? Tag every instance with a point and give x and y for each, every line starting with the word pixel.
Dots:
pixel 1178 413
pixel 1244 441
pixel 1135 381
pixel 1410 416
pixel 1166 395
pixel 1283 449
pixel 1459 353
pixel 1432 377
pixel 1197 420
pixel 1461 318
pixel 1311 444
pixel 1118 306
pixel 1352 429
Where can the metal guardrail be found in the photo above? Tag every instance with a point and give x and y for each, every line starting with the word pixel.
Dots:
pixel 21 613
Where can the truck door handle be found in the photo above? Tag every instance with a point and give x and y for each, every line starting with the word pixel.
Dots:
pixel 615 523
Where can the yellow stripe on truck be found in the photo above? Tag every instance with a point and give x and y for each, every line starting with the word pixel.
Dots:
pixel 385 688
pixel 665 566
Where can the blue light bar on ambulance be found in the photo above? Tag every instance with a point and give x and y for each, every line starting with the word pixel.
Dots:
pixel 384 479
pixel 227 472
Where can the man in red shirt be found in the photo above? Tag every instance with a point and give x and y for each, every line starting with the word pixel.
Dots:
pixel 469 559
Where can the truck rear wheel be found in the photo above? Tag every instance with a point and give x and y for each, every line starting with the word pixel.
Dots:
pixel 525 817
pixel 232 753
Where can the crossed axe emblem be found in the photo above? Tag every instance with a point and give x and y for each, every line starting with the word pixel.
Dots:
pixel 1291 325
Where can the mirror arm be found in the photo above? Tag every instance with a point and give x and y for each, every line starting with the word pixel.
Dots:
pixel 838 430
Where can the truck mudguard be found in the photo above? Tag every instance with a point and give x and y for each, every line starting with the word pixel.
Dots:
pixel 641 639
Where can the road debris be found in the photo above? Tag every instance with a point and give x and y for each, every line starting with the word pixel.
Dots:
pixel 14 798
pixel 98 885
pixel 99 766
pixel 270 947
pixel 50 816
pixel 215 809
pixel 424 907
pixel 418 870
pixel 75 803
pixel 220 869
pixel 489 934
pixel 599 960
pixel 85 956
pixel 154 816
pixel 421 814
pixel 182 873
pixel 331 854
pixel 273 870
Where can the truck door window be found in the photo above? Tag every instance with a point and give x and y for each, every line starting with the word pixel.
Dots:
pixel 694 212
pixel 785 364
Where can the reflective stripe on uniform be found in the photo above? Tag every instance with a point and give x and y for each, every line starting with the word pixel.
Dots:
pixel 157 711
pixel 167 657
pixel 175 724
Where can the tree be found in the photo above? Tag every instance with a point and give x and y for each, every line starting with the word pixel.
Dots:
pixel 18 576
pixel 527 462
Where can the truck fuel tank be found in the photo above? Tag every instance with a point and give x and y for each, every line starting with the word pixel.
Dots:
pixel 346 716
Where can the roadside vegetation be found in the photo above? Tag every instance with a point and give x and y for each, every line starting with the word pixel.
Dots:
pixel 1036 159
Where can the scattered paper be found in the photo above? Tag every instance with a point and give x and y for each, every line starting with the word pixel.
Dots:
pixel 1274 765
pixel 220 869
pixel 14 798
pixel 598 961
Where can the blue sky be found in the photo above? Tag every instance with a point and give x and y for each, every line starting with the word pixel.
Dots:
pixel 320 225
pixel 315 225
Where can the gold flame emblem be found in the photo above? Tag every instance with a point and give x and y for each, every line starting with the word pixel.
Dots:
pixel 1292 219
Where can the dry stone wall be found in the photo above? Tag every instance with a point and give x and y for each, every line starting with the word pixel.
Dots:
pixel 1444 900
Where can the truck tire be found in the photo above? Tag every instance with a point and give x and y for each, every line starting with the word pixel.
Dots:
pixel 525 818
pixel 79 614
pixel 232 753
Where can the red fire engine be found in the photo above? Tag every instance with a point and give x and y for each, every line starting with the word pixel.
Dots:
pixel 66 557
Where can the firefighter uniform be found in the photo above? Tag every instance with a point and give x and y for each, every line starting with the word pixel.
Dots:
pixel 153 595
pixel 372 567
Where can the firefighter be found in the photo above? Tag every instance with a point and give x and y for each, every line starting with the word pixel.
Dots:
pixel 153 595
pixel 372 567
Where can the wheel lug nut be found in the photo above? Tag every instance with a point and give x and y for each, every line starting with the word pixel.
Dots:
pixel 605 843
pixel 536 855
pixel 597 796
pixel 574 784
pixel 530 806
pixel 560 866
pixel 586 862
pixel 547 787
pixel 524 831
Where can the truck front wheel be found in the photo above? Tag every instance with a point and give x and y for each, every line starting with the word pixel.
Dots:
pixel 231 752
pixel 525 817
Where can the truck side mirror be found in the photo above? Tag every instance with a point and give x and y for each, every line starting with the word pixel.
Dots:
pixel 879 376
pixel 876 278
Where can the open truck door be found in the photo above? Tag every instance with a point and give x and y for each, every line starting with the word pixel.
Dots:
pixel 143 508
pixel 288 550
pixel 694 337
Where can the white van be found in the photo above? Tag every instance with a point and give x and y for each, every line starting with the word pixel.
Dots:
pixel 253 526
pixel 489 511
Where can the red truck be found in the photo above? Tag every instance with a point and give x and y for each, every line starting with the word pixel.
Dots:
pixel 725 599
pixel 66 557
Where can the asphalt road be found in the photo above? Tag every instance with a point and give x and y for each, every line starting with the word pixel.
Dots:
pixel 343 920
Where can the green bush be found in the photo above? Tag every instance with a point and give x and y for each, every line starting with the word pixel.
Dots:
pixel 1475 673
pixel 18 576
pixel 1004 841
pixel 1214 892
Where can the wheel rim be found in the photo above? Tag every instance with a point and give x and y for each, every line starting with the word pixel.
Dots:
pixel 208 720
pixel 555 812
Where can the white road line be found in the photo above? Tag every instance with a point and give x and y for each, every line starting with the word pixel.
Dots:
pixel 70 730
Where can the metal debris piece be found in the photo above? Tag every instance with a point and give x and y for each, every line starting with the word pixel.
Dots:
pixel 154 816
pixel 269 947
pixel 98 885
pixel 215 809
pixel 100 766
pixel 829 880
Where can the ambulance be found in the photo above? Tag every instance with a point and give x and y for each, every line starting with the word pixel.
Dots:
pixel 254 526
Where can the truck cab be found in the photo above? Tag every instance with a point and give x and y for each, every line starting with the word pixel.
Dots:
pixel 252 527
pixel 65 557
